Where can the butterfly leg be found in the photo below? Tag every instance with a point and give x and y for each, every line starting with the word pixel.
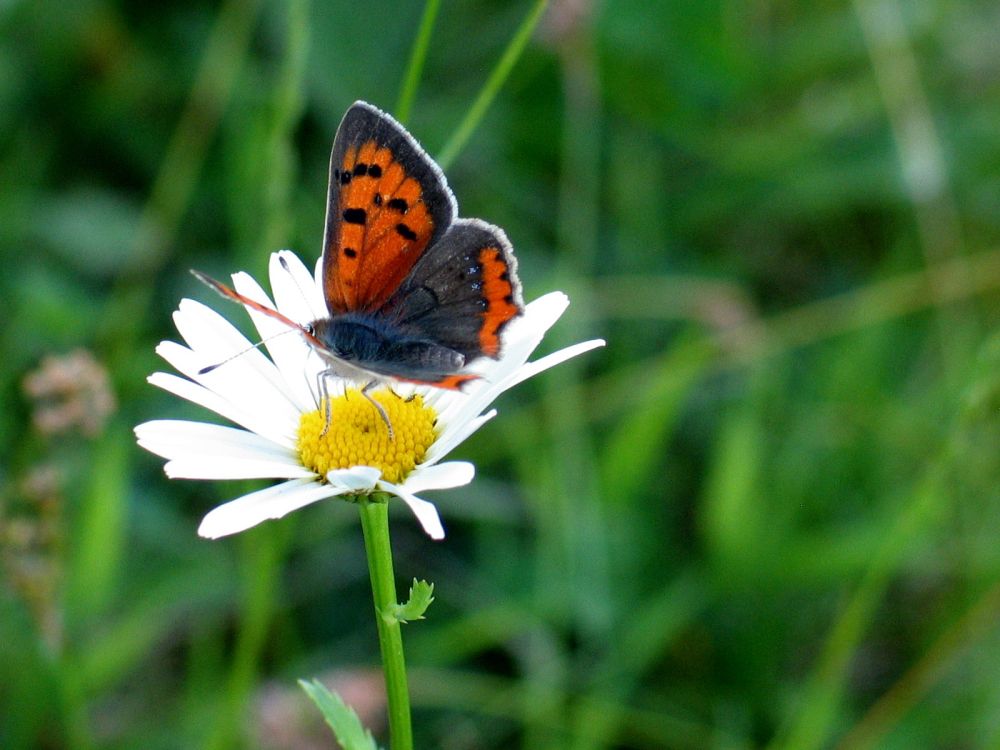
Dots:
pixel 324 400
pixel 381 409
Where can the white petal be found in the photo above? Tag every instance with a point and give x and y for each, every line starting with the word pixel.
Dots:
pixel 513 368
pixel 547 309
pixel 551 360
pixel 234 468
pixel 245 391
pixel 440 476
pixel 218 342
pixel 193 455
pixel 295 292
pixel 524 371
pixel 214 338
pixel 286 346
pixel 273 502
pixel 425 511
pixel 206 451
pixel 177 438
pixel 454 406
pixel 521 337
pixel 354 479
pixel 454 434
pixel 527 332
pixel 250 381
pixel 318 273
pixel 202 396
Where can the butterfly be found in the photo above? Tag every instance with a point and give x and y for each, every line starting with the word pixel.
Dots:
pixel 413 293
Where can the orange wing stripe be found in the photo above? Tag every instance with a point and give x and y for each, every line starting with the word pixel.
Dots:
pixel 450 383
pixel 499 294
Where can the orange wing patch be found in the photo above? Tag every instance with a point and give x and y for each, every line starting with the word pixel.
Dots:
pixel 449 382
pixel 499 293
pixel 383 228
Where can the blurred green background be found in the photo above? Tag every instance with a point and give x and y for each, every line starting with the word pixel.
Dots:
pixel 766 515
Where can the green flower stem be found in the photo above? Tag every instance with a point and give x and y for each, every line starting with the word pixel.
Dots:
pixel 375 525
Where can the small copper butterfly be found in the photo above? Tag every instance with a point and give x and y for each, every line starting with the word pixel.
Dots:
pixel 413 292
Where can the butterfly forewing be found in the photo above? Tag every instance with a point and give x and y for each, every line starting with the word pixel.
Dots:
pixel 387 203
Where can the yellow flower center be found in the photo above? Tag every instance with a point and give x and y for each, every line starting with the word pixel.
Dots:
pixel 358 436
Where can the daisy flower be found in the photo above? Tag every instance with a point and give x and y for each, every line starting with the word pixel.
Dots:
pixel 341 448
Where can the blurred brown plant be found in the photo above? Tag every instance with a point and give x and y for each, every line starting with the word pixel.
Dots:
pixel 70 392
pixel 30 541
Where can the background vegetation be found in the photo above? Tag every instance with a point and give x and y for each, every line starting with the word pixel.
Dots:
pixel 766 515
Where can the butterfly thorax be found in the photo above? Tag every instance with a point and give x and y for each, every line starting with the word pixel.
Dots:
pixel 359 345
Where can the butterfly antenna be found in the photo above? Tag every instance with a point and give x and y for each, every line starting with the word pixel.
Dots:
pixel 205 370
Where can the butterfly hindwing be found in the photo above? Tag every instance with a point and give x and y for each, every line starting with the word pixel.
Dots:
pixel 387 203
pixel 462 292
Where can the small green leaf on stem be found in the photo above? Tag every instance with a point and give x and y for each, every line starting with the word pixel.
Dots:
pixel 346 726
pixel 421 596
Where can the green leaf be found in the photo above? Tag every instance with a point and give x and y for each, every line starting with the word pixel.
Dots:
pixel 418 56
pixel 346 726
pixel 492 86
pixel 421 596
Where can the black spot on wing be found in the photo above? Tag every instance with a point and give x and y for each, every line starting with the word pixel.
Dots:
pixel 371 170
pixel 405 232
pixel 355 215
